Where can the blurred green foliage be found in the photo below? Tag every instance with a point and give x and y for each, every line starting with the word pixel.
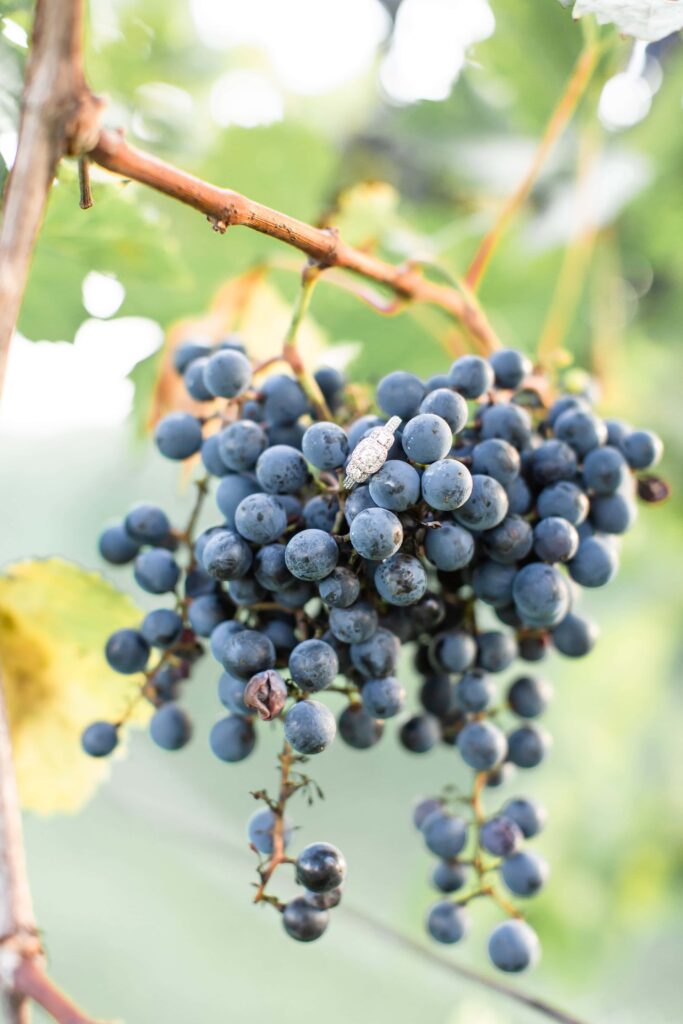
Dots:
pixel 160 853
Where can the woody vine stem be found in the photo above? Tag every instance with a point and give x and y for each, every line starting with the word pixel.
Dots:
pixel 60 117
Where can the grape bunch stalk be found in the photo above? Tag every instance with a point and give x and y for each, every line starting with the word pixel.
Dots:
pixel 460 520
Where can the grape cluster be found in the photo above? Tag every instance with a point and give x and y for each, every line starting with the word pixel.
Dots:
pixel 460 521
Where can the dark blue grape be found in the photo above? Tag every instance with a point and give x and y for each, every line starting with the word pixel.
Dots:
pixel 574 636
pixel 232 738
pixel 311 555
pixel 354 624
pixel 231 694
pixel 449 876
pixel 474 691
pixel 284 400
pixel 127 651
pixel 445 834
pixel 232 489
pixel 423 808
pixel 241 443
pixel 226 556
pixel 510 541
pixel 383 698
pixel 261 518
pixel 162 627
pixel 604 470
pixel 496 458
pixel 642 449
pixel 581 429
pixel 211 456
pixel 270 568
pixel 400 394
pixel 471 376
pixel 450 547
pixel 426 438
pixel 220 636
pixel 613 513
pixel 313 665
pixel 320 867
pixel 193 379
pixel 529 815
pixel 510 367
pixel 454 651
pixel 566 403
pixel 446 485
pixel 514 946
pixel 281 470
pixel 378 656
pixel 325 445
pixel 553 461
pixel 294 595
pixel 358 500
pixel 438 694
pixel 541 594
pixel 509 422
pixel 401 580
pixel 555 539
pixel 448 405
pixel 156 571
pixel 304 922
pixel 495 651
pixel 340 589
pixel 528 746
pixel 563 499
pixel 227 373
pixel 289 434
pixel 245 592
pixel 493 583
pixel 320 512
pixel 486 506
pixel 310 727
pixel 395 486
pixel 448 922
pixel 331 382
pixel 525 873
pixel 170 728
pixel 500 836
pixel 482 745
pixel 116 545
pixel 147 524
pixel 206 612
pixel 358 728
pixel 529 696
pixel 595 564
pixel 281 633
pixel 361 427
pixel 260 831
pixel 420 733
pixel 99 739
pixel 520 498
pixel 248 652
pixel 187 352
pixel 376 533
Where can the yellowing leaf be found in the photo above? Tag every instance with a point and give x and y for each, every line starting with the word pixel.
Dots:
pixel 54 622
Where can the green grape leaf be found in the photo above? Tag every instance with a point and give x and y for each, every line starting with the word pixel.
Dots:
pixel 54 621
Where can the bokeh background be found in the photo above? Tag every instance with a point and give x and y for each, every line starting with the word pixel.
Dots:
pixel 144 895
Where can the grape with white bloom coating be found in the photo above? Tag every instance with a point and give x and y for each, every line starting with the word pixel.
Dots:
pixel 448 922
pixel 310 727
pixel 376 533
pixel 178 435
pixel 311 555
pixel 325 445
pixel 482 745
pixel 426 438
pixel 446 484
pixel 525 873
pixel 514 946
pixel 383 698
pixel 232 738
pixel 401 580
pixel 395 486
pixel 313 665
pixel 486 506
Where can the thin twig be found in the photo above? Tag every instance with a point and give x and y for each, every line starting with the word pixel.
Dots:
pixel 559 119
pixel 226 208
pixel 86 201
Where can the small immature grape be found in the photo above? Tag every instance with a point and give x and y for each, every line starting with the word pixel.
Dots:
pixel 514 946
pixel 304 922
pixel 232 738
pixel 448 922
pixel 358 728
pixel 525 873
pixel 127 651
pixel 320 867
pixel 170 728
pixel 99 739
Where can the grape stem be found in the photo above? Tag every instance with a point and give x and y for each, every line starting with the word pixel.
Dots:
pixel 287 789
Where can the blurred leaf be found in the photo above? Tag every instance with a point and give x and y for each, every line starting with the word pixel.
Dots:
pixel 120 235
pixel 366 212
pixel 54 621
